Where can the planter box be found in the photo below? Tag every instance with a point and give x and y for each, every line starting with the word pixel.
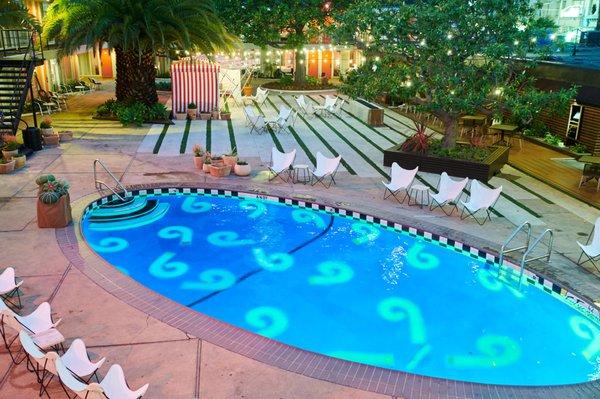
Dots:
pixel 65 136
pixel 230 160
pixel 54 215
pixel 454 167
pixel 7 167
pixel 368 112
pixel 51 140
pixel 225 116
pixel 205 116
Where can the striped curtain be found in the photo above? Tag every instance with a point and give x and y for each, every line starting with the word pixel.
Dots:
pixel 197 82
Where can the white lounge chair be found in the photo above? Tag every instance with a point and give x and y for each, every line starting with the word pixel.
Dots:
pixel 326 167
pixel 81 389
pixel 9 286
pixel 281 163
pixel 78 361
pixel 259 98
pixel 287 123
pixel 336 109
pixel 258 125
pixel 42 364
pixel 591 251
pixel 303 107
pixel 250 114
pixel 481 199
pixel 277 122
pixel 449 192
pixel 115 386
pixel 39 320
pixel 401 181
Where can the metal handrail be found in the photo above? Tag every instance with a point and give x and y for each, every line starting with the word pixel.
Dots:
pixel 100 183
pixel 524 226
pixel 524 260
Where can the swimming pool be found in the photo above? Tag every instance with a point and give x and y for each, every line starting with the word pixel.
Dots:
pixel 346 288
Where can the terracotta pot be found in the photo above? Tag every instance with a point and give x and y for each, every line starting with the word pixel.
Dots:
pixel 215 114
pixel 47 132
pixel 247 91
pixel 54 215
pixel 180 116
pixel 51 140
pixel 217 162
pixel 65 136
pixel 7 167
pixel 220 171
pixel 230 160
pixel 206 168
pixel 205 116
pixel 9 154
pixel 242 170
pixel 19 161
pixel 226 116
pixel 191 113
pixel 198 162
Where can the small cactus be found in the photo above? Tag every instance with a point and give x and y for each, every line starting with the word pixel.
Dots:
pixel 49 197
pixel 41 180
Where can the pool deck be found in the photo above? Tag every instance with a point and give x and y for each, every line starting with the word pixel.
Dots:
pixel 56 267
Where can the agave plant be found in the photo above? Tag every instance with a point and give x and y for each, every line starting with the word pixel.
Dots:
pixel 419 142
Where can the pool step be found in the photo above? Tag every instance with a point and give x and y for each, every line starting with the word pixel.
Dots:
pixel 131 204
pixel 136 216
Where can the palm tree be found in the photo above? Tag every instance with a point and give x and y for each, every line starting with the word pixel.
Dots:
pixel 137 30
pixel 14 14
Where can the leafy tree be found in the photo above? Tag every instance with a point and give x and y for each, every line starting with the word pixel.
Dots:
pixel 286 24
pixel 14 14
pixel 137 30
pixel 451 57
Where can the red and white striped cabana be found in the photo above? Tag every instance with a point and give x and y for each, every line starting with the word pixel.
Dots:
pixel 197 82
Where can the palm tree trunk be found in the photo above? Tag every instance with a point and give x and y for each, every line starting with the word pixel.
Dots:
pixel 136 75
pixel 300 68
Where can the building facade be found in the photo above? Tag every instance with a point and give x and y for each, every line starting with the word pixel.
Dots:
pixel 571 16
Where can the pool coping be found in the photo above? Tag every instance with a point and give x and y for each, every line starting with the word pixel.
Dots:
pixel 286 357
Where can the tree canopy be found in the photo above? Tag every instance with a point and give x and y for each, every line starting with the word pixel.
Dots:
pixel 451 57
pixel 137 30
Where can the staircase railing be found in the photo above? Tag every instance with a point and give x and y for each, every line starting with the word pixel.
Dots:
pixel 18 41
pixel 99 183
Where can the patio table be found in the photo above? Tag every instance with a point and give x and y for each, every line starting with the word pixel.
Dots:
pixel 502 128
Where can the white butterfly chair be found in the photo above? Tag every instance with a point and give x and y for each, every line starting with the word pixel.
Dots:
pixel 449 192
pixel 326 167
pixel 250 114
pixel 284 125
pixel 279 120
pixel 42 364
pixel 81 389
pixel 481 199
pixel 115 386
pixel 78 361
pixel 401 180
pixel 9 286
pixel 258 125
pixel 304 108
pixel 260 97
pixel 281 163
pixel 591 250
pixel 336 109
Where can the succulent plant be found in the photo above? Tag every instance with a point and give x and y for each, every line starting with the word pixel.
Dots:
pixel 41 180
pixel 49 197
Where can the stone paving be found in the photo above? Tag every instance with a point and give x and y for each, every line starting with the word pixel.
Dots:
pixel 182 366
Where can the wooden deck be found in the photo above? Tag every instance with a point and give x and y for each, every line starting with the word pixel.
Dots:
pixel 544 164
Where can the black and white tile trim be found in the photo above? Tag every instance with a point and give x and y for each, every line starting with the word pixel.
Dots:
pixel 530 277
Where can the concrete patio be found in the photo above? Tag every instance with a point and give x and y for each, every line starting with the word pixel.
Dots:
pixel 180 366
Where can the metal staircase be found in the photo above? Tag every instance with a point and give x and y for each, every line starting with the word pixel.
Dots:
pixel 18 59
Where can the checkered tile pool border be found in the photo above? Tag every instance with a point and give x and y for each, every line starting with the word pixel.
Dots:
pixel 295 360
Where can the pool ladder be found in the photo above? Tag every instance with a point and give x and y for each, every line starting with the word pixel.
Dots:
pixel 99 183
pixel 528 248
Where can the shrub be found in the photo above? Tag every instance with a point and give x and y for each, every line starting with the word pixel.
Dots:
pixel 579 148
pixel 46 123
pixel 419 142
pixel 286 80
pixel 10 143
pixel 158 112
pixel 312 81
pixel 165 86
pixel 133 114
pixel 553 140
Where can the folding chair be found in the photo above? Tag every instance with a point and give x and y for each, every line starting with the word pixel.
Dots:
pixel 481 199
pixel 591 251
pixel 401 180
pixel 326 167
pixel 449 193
pixel 281 163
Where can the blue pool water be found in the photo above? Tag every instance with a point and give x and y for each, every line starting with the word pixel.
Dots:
pixel 346 288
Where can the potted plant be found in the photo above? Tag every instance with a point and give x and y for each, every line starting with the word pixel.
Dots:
pixel 231 158
pixel 192 110
pixel 225 114
pixel 220 171
pixel 247 91
pixel 205 116
pixel 206 166
pixel 65 135
pixel 53 205
pixel 215 113
pixel 51 140
pixel 20 161
pixel 46 127
pixel 6 165
pixel 198 156
pixel 10 148
pixel 242 168
pixel 217 161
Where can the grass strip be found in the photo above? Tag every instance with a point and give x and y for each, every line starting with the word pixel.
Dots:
pixel 301 143
pixel 516 202
pixel 271 132
pixel 208 135
pixel 161 137
pixel 530 191
pixel 186 133
pixel 325 143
